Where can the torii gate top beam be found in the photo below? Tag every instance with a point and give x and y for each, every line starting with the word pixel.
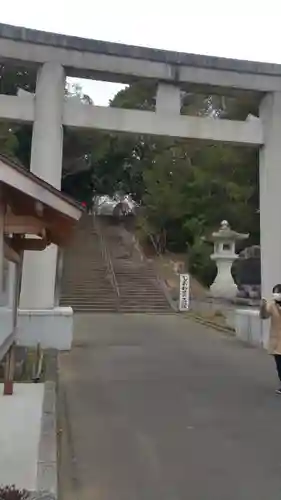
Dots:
pixel 125 63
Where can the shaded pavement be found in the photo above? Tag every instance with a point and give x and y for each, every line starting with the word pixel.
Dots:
pixel 161 408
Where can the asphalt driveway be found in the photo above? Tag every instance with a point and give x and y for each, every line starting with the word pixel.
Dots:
pixel 161 408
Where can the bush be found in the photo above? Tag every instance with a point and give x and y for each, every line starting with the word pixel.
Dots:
pixel 12 493
pixel 199 263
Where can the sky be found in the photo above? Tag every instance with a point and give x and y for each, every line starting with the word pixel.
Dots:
pixel 240 29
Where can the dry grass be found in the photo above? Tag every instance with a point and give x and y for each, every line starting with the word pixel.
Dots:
pixel 169 266
pixel 216 317
pixel 25 368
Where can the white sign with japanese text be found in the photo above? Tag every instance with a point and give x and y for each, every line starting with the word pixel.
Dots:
pixel 184 292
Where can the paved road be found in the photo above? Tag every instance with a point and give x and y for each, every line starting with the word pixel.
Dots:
pixel 160 408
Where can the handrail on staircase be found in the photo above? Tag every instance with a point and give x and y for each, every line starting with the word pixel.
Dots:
pixel 107 259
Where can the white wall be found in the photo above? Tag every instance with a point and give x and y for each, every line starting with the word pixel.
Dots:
pixel 52 328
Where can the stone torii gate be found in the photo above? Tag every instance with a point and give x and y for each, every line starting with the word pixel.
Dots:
pixel 56 56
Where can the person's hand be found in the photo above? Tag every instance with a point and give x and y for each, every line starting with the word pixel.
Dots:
pixel 263 309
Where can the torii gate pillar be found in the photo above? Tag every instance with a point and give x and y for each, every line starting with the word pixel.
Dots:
pixel 39 269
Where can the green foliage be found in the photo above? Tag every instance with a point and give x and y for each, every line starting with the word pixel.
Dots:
pixel 81 189
pixel 8 140
pixel 141 95
pixel 13 78
pixel 188 188
pixel 200 264
pixel 164 197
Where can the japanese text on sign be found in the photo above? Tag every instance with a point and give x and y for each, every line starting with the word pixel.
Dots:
pixel 184 292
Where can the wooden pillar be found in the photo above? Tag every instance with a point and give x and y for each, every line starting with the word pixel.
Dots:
pixel 10 356
pixel 9 371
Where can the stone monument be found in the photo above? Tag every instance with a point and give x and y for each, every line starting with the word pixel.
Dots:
pixel 224 255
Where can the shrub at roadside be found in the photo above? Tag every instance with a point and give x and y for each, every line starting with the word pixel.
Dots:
pixel 199 263
pixel 12 493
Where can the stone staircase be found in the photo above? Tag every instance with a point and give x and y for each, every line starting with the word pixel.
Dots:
pixel 103 272
pixel 139 288
pixel 85 282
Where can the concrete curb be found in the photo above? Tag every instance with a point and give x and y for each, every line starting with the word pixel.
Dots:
pixel 47 459
pixel 211 324
pixel 47 466
pixel 41 495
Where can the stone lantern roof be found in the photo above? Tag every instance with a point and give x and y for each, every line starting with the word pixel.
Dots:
pixel 226 233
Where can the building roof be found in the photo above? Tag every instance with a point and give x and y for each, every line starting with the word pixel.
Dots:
pixel 28 195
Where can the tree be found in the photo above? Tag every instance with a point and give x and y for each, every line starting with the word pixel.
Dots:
pixel 164 198
pixel 182 181
pixel 8 139
pixel 140 95
pixel 13 78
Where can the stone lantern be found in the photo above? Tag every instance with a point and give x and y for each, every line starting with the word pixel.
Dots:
pixel 224 255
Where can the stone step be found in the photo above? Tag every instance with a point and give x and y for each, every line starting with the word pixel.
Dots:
pixel 141 285
pixel 100 286
pixel 88 298
pixel 86 285
pixel 95 300
pixel 90 279
pixel 90 306
pixel 90 285
pixel 142 300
